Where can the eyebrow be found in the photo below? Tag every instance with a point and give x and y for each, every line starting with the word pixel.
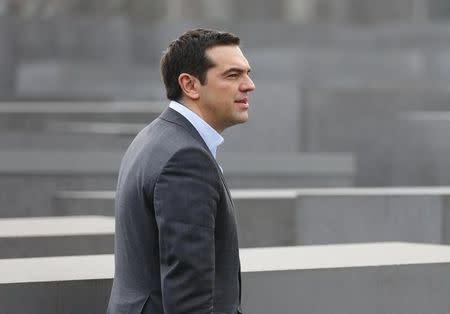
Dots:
pixel 236 69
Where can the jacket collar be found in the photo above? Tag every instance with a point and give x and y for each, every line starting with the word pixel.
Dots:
pixel 171 115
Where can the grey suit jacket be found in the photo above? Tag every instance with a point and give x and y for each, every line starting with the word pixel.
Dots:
pixel 176 246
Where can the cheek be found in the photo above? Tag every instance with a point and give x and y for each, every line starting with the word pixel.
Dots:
pixel 227 87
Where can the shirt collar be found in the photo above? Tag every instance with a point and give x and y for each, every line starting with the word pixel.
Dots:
pixel 211 137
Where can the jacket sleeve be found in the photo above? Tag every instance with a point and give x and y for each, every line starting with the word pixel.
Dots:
pixel 185 201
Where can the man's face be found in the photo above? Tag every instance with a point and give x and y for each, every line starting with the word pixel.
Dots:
pixel 224 96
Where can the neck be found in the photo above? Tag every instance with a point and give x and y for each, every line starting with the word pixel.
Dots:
pixel 194 107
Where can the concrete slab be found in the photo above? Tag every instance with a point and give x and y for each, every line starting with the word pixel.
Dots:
pixel 67 140
pixel 45 116
pixel 56 236
pixel 69 203
pixel 8 57
pixel 75 37
pixel 367 215
pixel 364 121
pixel 369 278
pixel 268 129
pixel 265 217
pixel 375 285
pixel 116 81
pixel 39 174
pixel 421 156
pixel 268 220
pixel 287 170
pixel 342 215
pixel 286 217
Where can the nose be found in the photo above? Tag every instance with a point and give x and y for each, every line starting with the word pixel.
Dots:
pixel 247 85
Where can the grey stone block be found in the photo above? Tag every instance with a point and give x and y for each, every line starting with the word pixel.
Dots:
pixel 39 174
pixel 351 66
pixel 438 9
pixel 421 156
pixel 67 203
pixel 438 63
pixel 335 64
pixel 281 63
pixel 142 45
pixel 367 12
pixel 38 39
pixel 287 217
pixel 8 57
pixel 56 236
pixel 65 140
pixel 264 33
pixel 89 79
pixel 363 121
pixel 65 116
pixel 264 218
pixel 341 279
pixel 143 11
pixel 77 296
pixel 286 170
pixel 370 289
pixel 370 104
pixel 254 9
pixel 274 121
pixel 99 38
pixel 372 215
pixel 264 222
pixel 30 195
pixel 432 35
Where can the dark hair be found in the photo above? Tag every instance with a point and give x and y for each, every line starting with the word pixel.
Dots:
pixel 187 55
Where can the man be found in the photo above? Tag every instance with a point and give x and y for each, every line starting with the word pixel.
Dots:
pixel 176 246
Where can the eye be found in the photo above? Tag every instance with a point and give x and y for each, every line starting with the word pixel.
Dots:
pixel 233 76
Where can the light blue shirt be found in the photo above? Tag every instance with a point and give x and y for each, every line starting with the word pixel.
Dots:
pixel 211 137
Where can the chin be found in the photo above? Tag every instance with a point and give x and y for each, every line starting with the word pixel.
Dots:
pixel 240 121
pixel 245 117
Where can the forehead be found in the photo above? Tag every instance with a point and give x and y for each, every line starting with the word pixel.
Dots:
pixel 227 56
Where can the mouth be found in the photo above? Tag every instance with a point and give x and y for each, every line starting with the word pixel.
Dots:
pixel 242 101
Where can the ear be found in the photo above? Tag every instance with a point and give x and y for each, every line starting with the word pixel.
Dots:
pixel 189 85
